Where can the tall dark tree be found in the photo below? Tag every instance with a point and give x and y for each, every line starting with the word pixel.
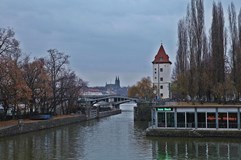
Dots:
pixel 218 46
pixel 239 26
pixel 181 65
pixel 234 46
pixel 196 34
pixel 206 70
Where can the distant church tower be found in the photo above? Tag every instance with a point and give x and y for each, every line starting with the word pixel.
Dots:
pixel 117 82
pixel 162 74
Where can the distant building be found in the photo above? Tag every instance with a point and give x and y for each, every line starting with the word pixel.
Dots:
pixel 108 89
pixel 93 92
pixel 115 86
pixel 162 74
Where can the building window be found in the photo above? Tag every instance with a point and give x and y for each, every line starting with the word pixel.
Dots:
pixel 155 77
pixel 211 120
pixel 155 69
pixel 161 79
pixel 161 94
pixel 161 69
pixel 155 72
pixel 181 119
pixel 201 117
pixel 233 120
pixel 161 87
pixel 190 120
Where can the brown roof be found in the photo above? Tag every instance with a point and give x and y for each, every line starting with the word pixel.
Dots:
pixel 161 56
pixel 197 106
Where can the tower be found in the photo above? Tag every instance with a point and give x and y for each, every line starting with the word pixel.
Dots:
pixel 117 82
pixel 162 74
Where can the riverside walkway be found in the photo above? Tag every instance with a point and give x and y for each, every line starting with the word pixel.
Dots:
pixel 10 123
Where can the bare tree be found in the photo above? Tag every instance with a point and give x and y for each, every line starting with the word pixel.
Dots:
pixel 181 65
pixel 196 34
pixel 56 64
pixel 8 43
pixel 71 87
pixel 234 49
pixel 218 47
pixel 239 26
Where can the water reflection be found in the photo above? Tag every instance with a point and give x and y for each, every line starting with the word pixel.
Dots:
pixel 176 148
pixel 54 144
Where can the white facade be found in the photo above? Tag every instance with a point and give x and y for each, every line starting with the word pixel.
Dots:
pixel 162 74
pixel 162 79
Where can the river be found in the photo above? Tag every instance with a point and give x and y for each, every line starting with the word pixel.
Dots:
pixel 112 138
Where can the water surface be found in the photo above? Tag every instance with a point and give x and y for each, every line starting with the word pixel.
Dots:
pixel 112 138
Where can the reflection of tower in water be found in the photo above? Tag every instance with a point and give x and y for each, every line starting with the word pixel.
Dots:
pixel 175 148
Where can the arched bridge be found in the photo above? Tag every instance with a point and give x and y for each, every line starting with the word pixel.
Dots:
pixel 106 100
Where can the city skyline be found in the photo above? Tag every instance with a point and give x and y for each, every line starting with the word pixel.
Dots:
pixel 104 39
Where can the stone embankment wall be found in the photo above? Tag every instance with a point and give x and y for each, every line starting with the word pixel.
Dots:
pixel 109 113
pixel 193 133
pixel 26 127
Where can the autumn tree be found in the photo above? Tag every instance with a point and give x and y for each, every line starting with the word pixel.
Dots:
pixel 13 89
pixel 144 89
pixel 37 79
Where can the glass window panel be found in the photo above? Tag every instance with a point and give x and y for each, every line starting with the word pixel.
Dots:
pixel 233 120
pixel 190 120
pixel 222 120
pixel 170 119
pixel 161 119
pixel 181 119
pixel 211 120
pixel 201 118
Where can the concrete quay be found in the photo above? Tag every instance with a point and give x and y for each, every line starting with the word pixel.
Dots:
pixel 193 133
pixel 24 126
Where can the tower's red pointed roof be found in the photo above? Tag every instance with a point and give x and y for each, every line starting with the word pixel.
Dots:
pixel 161 56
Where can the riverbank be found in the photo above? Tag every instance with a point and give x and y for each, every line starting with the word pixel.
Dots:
pixel 193 133
pixel 16 127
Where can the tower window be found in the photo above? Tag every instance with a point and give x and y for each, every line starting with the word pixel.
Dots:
pixel 161 87
pixel 161 94
pixel 161 69
pixel 155 72
pixel 161 79
pixel 155 77
pixel 155 68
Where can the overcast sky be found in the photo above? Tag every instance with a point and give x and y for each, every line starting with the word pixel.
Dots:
pixel 104 38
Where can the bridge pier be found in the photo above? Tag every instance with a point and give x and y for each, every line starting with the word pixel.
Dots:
pixel 117 106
